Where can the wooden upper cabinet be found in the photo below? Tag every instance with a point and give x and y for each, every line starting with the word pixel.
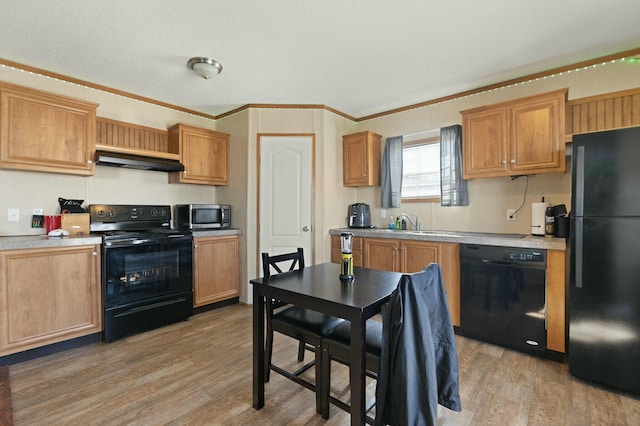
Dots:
pixel 204 154
pixel 485 142
pixel 45 132
pixel 361 159
pixel 523 136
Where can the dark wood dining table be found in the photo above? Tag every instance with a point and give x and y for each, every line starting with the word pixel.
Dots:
pixel 319 287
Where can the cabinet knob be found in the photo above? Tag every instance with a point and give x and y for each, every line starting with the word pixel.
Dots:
pixel 513 161
pixel 305 228
pixel 503 162
pixel 94 254
pixel 89 162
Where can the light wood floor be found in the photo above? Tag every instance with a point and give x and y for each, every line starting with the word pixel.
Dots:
pixel 199 372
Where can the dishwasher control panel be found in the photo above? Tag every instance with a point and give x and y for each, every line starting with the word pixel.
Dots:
pixel 498 254
pixel 523 255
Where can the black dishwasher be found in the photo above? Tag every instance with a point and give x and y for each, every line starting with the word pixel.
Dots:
pixel 502 296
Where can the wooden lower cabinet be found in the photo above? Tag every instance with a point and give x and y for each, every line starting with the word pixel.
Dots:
pixel 556 300
pixel 356 250
pixel 48 295
pixel 216 269
pixel 409 256
pixel 412 256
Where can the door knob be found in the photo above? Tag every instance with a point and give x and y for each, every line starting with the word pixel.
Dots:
pixel 305 228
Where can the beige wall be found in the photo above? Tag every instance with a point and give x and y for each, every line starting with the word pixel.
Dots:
pixel 490 198
pixel 330 198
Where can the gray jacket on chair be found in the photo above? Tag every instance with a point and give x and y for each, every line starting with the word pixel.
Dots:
pixel 419 362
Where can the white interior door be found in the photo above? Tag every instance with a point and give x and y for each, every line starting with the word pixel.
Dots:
pixel 285 194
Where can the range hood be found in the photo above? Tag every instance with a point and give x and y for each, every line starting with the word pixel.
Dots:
pixel 134 161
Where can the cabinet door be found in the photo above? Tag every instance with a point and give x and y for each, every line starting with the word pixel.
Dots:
pixel 216 269
pixel 356 250
pixel 556 300
pixel 484 141
pixel 46 132
pixel 48 296
pixel 449 259
pixel 381 253
pixel 416 255
pixel 204 154
pixel 361 159
pixel 537 135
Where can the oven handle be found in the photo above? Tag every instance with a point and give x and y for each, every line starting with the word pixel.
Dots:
pixel 151 306
pixel 137 242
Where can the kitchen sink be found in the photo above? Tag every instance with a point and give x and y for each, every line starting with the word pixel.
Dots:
pixel 435 232
pixel 444 233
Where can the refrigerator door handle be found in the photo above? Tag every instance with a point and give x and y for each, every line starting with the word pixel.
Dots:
pixel 578 252
pixel 579 181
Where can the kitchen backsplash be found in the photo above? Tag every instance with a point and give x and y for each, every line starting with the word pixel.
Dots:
pixel 26 191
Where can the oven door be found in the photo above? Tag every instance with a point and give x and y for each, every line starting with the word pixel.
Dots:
pixel 140 269
pixel 147 283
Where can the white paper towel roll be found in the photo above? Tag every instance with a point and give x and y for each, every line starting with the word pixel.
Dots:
pixel 537 217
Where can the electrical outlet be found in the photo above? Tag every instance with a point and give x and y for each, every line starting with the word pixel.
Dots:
pixel 13 215
pixel 38 212
pixel 383 213
pixel 511 214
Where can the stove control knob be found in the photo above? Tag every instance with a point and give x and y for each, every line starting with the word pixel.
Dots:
pixel 101 213
pixel 154 212
pixel 112 213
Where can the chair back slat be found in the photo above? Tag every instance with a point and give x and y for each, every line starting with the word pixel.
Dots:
pixel 268 262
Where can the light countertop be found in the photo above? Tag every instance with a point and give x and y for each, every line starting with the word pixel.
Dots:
pixel 42 241
pixel 462 237
pixel 218 232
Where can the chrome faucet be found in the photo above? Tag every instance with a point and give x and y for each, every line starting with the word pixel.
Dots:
pixel 416 223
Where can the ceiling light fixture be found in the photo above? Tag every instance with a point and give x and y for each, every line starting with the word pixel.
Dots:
pixel 205 67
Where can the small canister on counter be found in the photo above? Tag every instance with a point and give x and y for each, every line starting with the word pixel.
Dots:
pixel 549 222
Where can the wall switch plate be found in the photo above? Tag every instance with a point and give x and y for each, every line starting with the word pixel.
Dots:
pixel 511 214
pixel 13 215
pixel 383 213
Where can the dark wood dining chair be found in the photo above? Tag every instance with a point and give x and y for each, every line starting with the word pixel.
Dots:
pixel 336 346
pixel 305 325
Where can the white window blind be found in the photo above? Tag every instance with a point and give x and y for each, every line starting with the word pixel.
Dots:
pixel 421 169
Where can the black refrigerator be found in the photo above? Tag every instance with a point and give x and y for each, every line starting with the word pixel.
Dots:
pixel 604 293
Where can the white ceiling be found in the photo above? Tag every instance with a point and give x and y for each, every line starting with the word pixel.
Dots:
pixel 360 57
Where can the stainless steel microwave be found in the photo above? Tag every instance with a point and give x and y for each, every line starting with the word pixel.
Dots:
pixel 201 216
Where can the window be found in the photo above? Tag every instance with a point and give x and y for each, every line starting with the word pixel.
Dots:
pixel 421 170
